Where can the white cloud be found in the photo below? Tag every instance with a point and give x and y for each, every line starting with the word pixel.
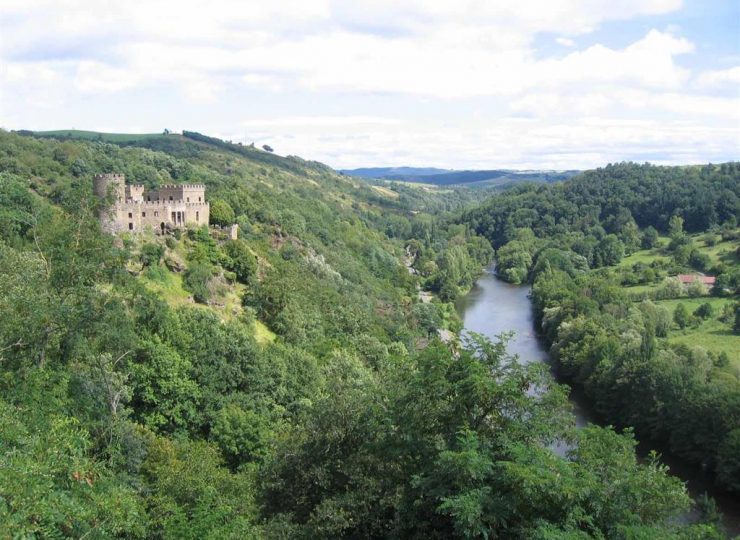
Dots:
pixel 95 77
pixel 373 81
pixel 565 42
pixel 718 78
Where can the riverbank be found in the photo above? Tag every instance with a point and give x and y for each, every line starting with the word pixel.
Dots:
pixel 494 306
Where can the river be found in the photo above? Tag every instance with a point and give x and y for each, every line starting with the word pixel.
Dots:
pixel 494 306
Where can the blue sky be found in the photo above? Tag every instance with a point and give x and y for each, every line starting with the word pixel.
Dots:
pixel 457 84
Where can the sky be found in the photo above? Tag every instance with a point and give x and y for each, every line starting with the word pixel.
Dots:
pixel 462 84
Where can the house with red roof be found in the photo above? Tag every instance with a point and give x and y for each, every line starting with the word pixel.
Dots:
pixel 688 279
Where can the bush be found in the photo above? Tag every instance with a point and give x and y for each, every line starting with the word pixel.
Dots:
pixel 240 260
pixel 704 311
pixel 649 238
pixel 700 261
pixel 196 281
pixel 681 316
pixel 222 213
pixel 151 254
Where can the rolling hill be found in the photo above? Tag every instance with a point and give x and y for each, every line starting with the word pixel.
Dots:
pixel 443 177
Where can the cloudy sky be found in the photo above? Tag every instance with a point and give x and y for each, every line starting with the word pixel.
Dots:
pixel 448 83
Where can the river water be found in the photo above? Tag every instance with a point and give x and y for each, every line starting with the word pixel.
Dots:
pixel 494 306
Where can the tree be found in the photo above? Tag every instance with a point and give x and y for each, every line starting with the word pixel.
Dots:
pixel 165 397
pixel 704 311
pixel 241 434
pixel 609 251
pixel 221 213
pixel 649 238
pixel 681 316
pixel 196 281
pixel 267 148
pixel 675 227
pixel 240 260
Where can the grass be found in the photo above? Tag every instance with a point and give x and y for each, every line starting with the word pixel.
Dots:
pixel 712 334
pixel 720 252
pixel 97 136
pixel 644 256
pixel 262 334
pixel 385 191
pixel 168 286
pixel 639 289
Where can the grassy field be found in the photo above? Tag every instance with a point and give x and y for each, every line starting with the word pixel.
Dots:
pixel 720 252
pixel 645 256
pixel 95 136
pixel 385 191
pixel 712 334
pixel 262 334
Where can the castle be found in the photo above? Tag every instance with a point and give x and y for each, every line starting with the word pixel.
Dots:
pixel 134 209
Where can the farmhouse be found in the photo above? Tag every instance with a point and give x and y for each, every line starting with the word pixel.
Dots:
pixel 688 279
pixel 135 209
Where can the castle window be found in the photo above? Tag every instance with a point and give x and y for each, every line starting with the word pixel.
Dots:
pixel 156 214
pixel 197 217
pixel 198 199
pixel 188 199
pixel 130 215
pixel 130 226
pixel 149 198
pixel 143 214
pixel 170 197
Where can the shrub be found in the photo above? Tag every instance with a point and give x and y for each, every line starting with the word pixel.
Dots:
pixel 240 260
pixel 196 281
pixel 151 254
pixel 222 213
pixel 704 311
pixel 681 316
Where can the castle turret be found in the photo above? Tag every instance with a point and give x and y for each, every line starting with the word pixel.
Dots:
pixel 110 184
pixel 113 186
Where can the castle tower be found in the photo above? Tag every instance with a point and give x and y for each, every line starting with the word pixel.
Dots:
pixel 113 186
pixel 110 184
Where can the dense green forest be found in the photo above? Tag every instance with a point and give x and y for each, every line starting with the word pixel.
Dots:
pixel 291 384
pixel 602 252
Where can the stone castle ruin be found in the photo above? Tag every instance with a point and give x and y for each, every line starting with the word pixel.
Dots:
pixel 135 209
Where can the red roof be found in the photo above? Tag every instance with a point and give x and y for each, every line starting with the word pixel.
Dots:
pixel 690 278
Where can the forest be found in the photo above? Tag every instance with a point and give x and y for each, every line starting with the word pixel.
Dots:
pixel 292 383
pixel 602 253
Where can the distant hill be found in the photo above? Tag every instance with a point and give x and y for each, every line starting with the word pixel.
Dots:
pixel 443 177
pixel 78 134
pixel 394 172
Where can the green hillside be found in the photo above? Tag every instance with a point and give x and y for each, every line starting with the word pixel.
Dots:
pixel 288 384
pixel 614 257
pixel 83 135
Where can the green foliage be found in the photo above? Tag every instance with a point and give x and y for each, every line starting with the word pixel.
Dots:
pixel 240 260
pixel 681 316
pixel 221 213
pixel 49 486
pixel 196 280
pixel 126 413
pixel 151 254
pixel 242 435
pixel 704 311
pixel 649 238
pixel 165 397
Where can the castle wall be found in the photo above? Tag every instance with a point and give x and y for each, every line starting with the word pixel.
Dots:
pixel 161 215
pixel 189 193
pixel 135 193
pixel 135 210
